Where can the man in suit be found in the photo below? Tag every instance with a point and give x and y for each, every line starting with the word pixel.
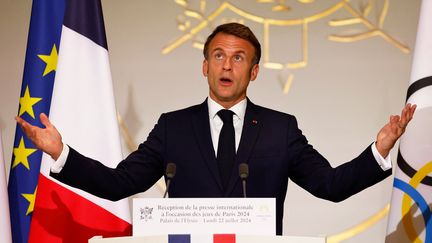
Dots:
pixel 207 146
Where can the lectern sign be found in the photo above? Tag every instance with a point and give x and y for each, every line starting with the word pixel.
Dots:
pixel 249 216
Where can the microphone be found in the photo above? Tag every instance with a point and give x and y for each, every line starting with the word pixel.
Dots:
pixel 243 173
pixel 169 173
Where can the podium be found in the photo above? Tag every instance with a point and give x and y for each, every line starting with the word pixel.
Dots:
pixel 239 239
pixel 202 220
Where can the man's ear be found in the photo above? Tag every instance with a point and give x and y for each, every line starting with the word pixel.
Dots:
pixel 254 72
pixel 205 67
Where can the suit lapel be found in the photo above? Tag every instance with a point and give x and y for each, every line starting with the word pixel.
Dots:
pixel 201 129
pixel 251 128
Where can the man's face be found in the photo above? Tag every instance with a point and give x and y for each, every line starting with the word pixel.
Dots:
pixel 229 68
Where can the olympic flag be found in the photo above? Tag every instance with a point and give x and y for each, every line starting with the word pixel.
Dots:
pixel 410 213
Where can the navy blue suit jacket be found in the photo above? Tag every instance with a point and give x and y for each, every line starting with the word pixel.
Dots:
pixel 271 144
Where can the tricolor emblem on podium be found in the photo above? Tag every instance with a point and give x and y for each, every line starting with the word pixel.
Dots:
pixel 216 238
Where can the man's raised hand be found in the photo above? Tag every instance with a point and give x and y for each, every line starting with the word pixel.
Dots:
pixel 47 139
pixel 392 131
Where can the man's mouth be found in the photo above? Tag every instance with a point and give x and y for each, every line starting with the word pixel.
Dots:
pixel 225 80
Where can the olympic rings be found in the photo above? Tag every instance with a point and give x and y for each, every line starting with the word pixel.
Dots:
pixel 412 194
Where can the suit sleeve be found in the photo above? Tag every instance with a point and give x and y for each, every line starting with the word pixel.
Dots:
pixel 137 173
pixel 313 172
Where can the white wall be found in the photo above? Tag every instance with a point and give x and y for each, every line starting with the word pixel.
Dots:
pixel 341 99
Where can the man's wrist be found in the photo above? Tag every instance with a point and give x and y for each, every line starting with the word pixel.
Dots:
pixel 59 163
pixel 384 162
pixel 57 154
pixel 382 151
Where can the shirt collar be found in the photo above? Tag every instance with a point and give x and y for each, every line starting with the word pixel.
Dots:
pixel 239 109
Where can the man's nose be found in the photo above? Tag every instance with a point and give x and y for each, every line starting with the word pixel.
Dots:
pixel 227 64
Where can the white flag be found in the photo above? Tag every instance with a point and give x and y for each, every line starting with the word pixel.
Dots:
pixel 5 228
pixel 411 203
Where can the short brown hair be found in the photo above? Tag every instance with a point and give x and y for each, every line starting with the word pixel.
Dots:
pixel 238 30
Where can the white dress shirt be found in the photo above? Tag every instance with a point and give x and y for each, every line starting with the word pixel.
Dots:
pixel 216 122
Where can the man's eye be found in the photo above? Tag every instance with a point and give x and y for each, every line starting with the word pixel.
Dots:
pixel 238 58
pixel 218 56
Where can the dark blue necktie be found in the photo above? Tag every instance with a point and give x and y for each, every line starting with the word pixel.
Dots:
pixel 226 146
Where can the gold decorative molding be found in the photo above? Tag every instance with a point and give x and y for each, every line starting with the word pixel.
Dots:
pixel 202 20
pixel 373 29
pixel 359 228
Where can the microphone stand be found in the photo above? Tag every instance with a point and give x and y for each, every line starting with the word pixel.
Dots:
pixel 243 173
pixel 170 173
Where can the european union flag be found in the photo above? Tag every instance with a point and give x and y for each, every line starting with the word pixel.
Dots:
pixel 38 80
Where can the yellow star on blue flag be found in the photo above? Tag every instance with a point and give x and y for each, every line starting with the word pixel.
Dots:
pixel 50 60
pixel 27 102
pixel 21 154
pixel 30 197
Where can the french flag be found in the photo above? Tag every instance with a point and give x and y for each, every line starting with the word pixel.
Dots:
pixel 82 109
pixel 216 238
